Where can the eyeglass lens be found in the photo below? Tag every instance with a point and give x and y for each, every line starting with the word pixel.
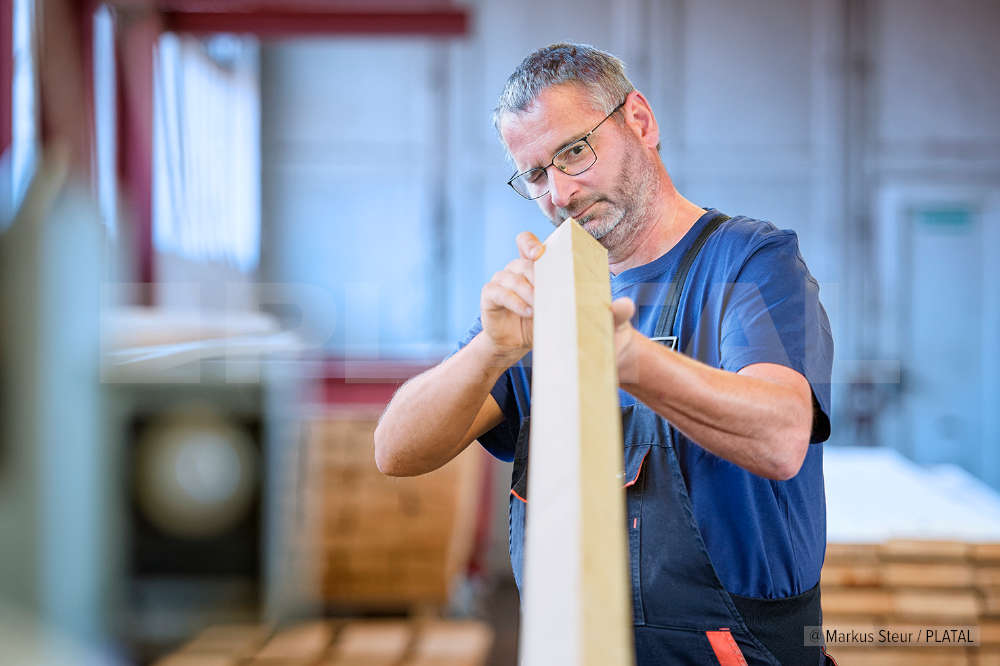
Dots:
pixel 572 160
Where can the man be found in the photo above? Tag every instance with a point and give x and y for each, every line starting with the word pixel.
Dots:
pixel 721 407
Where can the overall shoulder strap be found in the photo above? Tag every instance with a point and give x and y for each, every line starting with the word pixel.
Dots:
pixel 665 324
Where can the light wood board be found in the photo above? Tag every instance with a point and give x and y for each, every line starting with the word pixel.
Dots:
pixel 576 588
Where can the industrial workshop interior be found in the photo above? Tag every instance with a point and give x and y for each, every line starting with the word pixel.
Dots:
pixel 231 230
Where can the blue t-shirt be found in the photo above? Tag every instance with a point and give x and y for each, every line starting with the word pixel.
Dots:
pixel 749 298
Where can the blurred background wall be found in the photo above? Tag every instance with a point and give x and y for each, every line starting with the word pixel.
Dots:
pixel 869 127
pixel 282 209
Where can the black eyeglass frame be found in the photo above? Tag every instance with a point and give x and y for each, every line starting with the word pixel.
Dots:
pixel 585 139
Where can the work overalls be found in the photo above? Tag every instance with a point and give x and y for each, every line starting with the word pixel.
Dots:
pixel 681 611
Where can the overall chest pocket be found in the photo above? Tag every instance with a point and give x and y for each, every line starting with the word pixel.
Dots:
pixel 641 428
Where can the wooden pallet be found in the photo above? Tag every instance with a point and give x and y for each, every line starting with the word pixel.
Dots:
pixel 365 541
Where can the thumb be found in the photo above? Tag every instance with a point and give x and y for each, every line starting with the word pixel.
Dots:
pixel 622 309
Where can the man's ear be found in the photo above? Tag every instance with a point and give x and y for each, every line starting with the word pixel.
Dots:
pixel 639 118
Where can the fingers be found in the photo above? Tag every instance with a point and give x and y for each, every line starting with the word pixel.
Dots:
pixel 529 246
pixel 507 299
pixel 622 309
pixel 516 279
pixel 496 296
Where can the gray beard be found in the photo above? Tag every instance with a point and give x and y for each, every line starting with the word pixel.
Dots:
pixel 636 193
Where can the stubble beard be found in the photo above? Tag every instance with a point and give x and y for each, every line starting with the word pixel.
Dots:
pixel 627 209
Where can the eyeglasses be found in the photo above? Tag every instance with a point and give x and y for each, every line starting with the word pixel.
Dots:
pixel 572 160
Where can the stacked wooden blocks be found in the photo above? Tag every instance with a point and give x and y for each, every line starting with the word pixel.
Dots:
pixel 908 587
pixel 374 541
pixel 340 643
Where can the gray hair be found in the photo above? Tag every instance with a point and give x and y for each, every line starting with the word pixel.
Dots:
pixel 601 74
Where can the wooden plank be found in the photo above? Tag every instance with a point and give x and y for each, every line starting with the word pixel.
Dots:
pixel 371 643
pixel 906 549
pixel 989 656
pixel 942 607
pixel 860 601
pixel 986 552
pixel 989 632
pixel 306 640
pixel 987 577
pixel 851 575
pixel 848 622
pixel 194 659
pixel 927 574
pixel 576 592
pixel 837 553
pixel 991 600
pixel 903 656
pixel 232 639
pixel 451 643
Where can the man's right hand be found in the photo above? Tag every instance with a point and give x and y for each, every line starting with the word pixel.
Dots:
pixel 435 415
pixel 506 301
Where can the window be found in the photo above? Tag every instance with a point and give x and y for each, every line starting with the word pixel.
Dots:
pixel 206 149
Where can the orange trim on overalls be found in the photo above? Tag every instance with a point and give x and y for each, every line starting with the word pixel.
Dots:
pixel 639 470
pixel 630 483
pixel 725 648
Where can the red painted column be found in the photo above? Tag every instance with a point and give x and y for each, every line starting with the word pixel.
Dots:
pixel 6 72
pixel 66 107
pixel 136 33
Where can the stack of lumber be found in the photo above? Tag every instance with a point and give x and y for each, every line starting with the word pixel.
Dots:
pixel 909 586
pixel 339 643
pixel 910 547
pixel 375 542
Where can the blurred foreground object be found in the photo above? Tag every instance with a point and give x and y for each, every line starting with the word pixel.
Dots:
pixel 203 415
pixel 26 642
pixel 196 473
pixel 54 483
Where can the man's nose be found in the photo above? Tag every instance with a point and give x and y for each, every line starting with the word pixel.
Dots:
pixel 561 187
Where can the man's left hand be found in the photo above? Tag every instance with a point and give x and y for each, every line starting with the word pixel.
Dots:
pixel 625 340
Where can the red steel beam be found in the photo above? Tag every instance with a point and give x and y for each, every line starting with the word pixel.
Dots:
pixel 298 22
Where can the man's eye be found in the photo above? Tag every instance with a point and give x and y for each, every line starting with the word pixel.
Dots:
pixel 572 154
pixel 533 176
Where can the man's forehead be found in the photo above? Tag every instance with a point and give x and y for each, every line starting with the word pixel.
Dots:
pixel 557 116
pixel 559 102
